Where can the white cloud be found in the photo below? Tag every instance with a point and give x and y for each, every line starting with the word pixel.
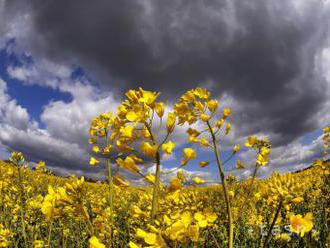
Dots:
pixel 70 121
pixel 10 111
pixel 64 140
pixel 21 73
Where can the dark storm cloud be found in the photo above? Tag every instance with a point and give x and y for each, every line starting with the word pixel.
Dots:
pixel 260 52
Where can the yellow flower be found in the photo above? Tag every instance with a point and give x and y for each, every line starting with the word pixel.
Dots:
pixel 37 244
pixel 5 236
pixel 298 200
pixel 150 178
pixel 179 229
pixel 262 160
pixel 148 97
pixel 168 147
pixel 17 157
pixel 93 161
pixel 40 165
pixel 220 123
pixel 107 149
pixel 204 163
pixel 171 118
pixel 231 193
pixel 94 242
pixel 96 149
pixel 301 225
pixel 283 237
pixel 204 142
pixel 131 244
pixel 128 164
pixel 212 105
pixel 205 117
pixel 236 148
pixel 198 180
pixel 147 149
pixel 148 237
pixel 228 128
pixel 136 212
pixel 193 132
pixel 265 151
pixel 146 133
pixel 201 93
pixel 127 131
pixel 251 141
pixel 132 116
pixel 205 218
pixel 189 155
pixel 159 109
pixel 226 112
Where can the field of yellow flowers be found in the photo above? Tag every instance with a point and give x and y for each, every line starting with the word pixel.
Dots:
pixel 38 209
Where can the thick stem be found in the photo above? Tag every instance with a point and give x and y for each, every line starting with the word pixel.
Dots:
pixel 155 195
pixel 224 187
pixel 272 225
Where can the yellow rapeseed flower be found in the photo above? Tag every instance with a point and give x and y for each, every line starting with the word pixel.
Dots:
pixel 189 155
pixel 198 180
pixel 94 242
pixel 301 225
pixel 168 147
pixel 93 161
pixel 226 112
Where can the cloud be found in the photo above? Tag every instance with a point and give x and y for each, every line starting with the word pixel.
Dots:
pixel 265 54
pixel 63 142
pixel 10 112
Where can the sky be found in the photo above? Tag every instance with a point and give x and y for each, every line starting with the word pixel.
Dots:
pixel 62 63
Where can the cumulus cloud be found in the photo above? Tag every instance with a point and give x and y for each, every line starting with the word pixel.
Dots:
pixel 10 111
pixel 63 143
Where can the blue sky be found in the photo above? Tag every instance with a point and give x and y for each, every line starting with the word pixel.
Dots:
pixel 30 96
pixel 278 85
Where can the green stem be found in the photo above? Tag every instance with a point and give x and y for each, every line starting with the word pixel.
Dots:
pixel 272 225
pixel 155 195
pixel 224 187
